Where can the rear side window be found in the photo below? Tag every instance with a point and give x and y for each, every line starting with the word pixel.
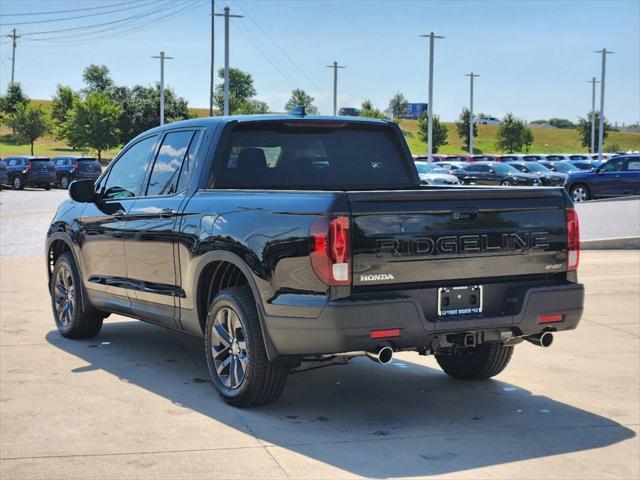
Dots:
pixel 61 161
pixel 14 162
pixel 333 156
pixel 166 169
pixel 127 174
pixel 634 165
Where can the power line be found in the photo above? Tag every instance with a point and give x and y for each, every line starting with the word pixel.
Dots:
pixel 95 25
pixel 49 20
pixel 63 11
pixel 284 53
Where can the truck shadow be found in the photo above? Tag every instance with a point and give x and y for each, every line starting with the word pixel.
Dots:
pixel 401 419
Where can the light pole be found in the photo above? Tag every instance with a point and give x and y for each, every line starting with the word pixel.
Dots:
pixel 13 38
pixel 471 77
pixel 593 82
pixel 162 58
pixel 335 67
pixel 604 53
pixel 431 37
pixel 212 73
pixel 226 16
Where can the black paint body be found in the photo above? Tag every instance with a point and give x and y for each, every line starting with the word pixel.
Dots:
pixel 138 260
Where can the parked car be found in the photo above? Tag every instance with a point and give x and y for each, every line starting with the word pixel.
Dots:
pixel 560 166
pixel 482 158
pixel 431 176
pixel 28 171
pixel 586 164
pixel 454 168
pixel 488 121
pixel 425 158
pixel 280 259
pixel 348 112
pixel 557 157
pixel 579 156
pixel 496 173
pixel 69 169
pixel 617 177
pixel 534 157
pixel 547 177
pixel 510 158
pixel 4 174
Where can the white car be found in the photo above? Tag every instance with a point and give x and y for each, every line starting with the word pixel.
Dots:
pixel 430 175
pixel 488 121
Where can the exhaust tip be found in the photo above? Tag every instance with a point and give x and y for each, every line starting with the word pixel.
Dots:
pixel 385 355
pixel 546 339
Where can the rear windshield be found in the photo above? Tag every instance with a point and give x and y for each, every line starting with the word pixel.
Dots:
pixel 87 159
pixel 331 156
pixel 40 160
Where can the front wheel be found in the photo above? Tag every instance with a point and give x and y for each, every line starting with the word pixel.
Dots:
pixel 580 193
pixel 235 352
pixel 506 183
pixel 64 182
pixel 72 319
pixel 17 183
pixel 484 361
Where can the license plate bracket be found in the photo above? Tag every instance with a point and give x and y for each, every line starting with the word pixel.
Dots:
pixel 464 300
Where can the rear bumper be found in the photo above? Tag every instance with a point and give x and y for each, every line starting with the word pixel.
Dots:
pixel 346 325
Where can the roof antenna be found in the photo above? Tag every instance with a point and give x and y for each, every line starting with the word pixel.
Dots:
pixel 299 111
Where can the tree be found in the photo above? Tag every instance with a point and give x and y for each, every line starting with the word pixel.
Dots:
pixel 61 105
pixel 252 107
pixel 440 131
pixel 241 90
pixel 97 79
pixel 29 121
pixel 512 134
pixel 93 123
pixel 9 102
pixel 367 110
pixel 300 97
pixel 527 140
pixel 141 109
pixel 584 130
pixel 561 123
pixel 398 106
pixel 462 126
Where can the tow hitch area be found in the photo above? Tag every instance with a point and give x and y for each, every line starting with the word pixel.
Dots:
pixel 459 340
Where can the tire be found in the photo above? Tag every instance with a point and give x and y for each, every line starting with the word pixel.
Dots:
pixel 47 187
pixel 64 182
pixel 580 193
pixel 484 361
pixel 17 183
pixel 72 319
pixel 506 183
pixel 255 381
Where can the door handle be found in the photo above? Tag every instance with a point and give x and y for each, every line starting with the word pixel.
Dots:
pixel 120 215
pixel 167 213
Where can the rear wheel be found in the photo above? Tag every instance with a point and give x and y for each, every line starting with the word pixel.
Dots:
pixel 234 347
pixel 47 187
pixel 17 183
pixel 506 183
pixel 64 182
pixel 580 193
pixel 72 319
pixel 478 363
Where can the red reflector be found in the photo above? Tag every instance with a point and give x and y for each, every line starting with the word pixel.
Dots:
pixel 555 317
pixel 393 332
pixel 573 239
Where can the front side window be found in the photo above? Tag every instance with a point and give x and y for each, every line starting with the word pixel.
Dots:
pixel 61 161
pixel 166 169
pixel 612 165
pixel 127 174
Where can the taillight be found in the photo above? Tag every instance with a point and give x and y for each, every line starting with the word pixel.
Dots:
pixel 573 239
pixel 330 257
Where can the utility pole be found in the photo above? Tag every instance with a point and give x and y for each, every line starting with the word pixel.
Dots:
pixel 226 16
pixel 212 55
pixel 471 77
pixel 431 37
pixel 604 53
pixel 162 58
pixel 13 38
pixel 335 67
pixel 593 82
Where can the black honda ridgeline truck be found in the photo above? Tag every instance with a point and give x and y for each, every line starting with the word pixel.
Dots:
pixel 290 242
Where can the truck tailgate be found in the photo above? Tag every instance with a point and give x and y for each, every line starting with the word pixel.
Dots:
pixel 455 235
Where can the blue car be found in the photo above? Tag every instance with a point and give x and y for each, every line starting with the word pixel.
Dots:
pixel 617 177
pixel 69 169
pixel 4 174
pixel 29 171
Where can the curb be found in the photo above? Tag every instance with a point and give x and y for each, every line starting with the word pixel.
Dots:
pixel 624 243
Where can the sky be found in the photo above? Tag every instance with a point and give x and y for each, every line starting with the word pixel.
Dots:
pixel 534 58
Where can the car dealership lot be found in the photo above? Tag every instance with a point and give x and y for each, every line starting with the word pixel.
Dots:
pixel 135 402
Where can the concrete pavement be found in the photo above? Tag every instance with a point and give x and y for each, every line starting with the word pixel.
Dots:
pixel 135 401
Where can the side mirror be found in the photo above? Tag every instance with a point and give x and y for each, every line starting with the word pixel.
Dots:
pixel 83 191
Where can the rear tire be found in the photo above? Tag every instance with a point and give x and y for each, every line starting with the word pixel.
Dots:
pixel 234 348
pixel 64 182
pixel 484 361
pixel 47 187
pixel 17 183
pixel 580 193
pixel 72 319
pixel 506 183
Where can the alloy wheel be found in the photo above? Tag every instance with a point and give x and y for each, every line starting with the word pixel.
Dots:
pixel 579 194
pixel 64 182
pixel 64 295
pixel 17 183
pixel 229 348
